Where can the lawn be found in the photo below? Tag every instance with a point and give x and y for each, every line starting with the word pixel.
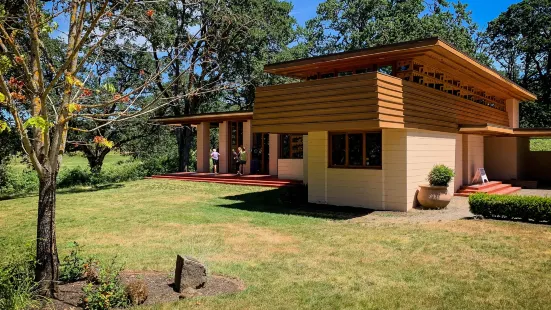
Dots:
pixel 299 259
pixel 74 161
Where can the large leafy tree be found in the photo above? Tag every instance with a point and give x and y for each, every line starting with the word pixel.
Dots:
pixel 229 42
pixel 519 40
pixel 342 25
pixel 42 96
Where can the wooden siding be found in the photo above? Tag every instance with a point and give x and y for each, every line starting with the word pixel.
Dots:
pixel 364 102
pixel 344 103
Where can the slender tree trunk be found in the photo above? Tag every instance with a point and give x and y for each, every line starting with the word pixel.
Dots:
pixel 96 162
pixel 46 272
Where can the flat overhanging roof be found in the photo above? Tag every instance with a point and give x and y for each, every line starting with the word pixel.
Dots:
pixel 435 49
pixel 196 119
pixel 501 131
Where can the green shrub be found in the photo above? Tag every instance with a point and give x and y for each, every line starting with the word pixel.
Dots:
pixel 18 181
pixel 440 175
pixel 77 176
pixel 17 285
pixel 525 208
pixel 109 292
pixel 72 266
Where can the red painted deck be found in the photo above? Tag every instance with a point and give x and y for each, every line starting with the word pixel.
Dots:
pixel 493 187
pixel 249 180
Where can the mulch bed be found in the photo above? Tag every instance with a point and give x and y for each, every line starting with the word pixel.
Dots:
pixel 159 285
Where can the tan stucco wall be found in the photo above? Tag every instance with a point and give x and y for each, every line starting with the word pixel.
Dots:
pixel 203 147
pixel 424 150
pixel 408 156
pixel 290 169
pixel 472 157
pixel 274 153
pixel 248 145
pixel 223 146
pixel 458 179
pixel 501 158
pixel 317 167
pixel 394 171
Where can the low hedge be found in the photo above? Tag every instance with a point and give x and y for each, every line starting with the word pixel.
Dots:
pixel 524 208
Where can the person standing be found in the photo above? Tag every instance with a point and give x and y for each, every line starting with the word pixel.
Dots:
pixel 215 157
pixel 235 157
pixel 242 160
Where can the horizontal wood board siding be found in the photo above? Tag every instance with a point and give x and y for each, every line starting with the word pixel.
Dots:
pixel 364 102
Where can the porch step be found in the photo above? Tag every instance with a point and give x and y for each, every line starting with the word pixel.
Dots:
pixel 232 181
pixel 493 187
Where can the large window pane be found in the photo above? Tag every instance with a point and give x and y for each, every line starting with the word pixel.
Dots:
pixel 285 152
pixel 373 149
pixel 338 150
pixel 296 146
pixel 355 149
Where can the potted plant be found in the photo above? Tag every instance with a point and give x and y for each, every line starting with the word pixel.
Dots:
pixel 436 194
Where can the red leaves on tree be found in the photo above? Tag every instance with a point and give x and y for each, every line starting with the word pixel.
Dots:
pixel 86 93
pixel 149 13
pixel 14 83
pixel 19 60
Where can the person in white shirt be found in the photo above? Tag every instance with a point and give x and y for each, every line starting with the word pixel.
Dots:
pixel 215 156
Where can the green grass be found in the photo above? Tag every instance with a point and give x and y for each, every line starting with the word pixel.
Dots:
pixel 540 144
pixel 299 259
pixel 74 161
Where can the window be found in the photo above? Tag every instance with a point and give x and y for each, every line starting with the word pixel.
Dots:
pixel 291 146
pixel 355 150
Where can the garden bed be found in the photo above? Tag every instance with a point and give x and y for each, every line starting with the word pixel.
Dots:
pixel 159 286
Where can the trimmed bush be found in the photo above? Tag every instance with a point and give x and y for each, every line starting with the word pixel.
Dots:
pixel 440 175
pixel 524 208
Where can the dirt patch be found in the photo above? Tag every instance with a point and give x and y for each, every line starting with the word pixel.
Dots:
pixel 159 285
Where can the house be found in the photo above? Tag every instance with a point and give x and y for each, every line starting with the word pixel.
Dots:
pixel 363 128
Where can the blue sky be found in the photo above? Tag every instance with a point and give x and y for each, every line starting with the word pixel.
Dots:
pixel 483 11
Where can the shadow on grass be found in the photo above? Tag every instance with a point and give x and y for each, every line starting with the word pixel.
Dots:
pixel 67 190
pixel 293 201
pixel 87 189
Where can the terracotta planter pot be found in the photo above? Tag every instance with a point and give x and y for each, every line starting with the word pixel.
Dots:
pixel 434 197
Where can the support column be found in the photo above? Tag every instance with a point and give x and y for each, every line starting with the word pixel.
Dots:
pixel 223 140
pixel 274 153
pixel 512 107
pixel 203 147
pixel 248 144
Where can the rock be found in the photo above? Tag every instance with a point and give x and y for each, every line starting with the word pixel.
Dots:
pixel 137 291
pixel 189 293
pixel 478 217
pixel 189 273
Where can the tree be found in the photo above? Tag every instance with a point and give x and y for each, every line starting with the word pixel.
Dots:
pixel 519 39
pixel 42 97
pixel 342 25
pixel 230 42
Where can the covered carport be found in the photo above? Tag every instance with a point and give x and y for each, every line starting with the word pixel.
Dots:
pixel 509 158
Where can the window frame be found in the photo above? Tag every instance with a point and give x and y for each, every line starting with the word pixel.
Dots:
pixel 347 150
pixel 291 144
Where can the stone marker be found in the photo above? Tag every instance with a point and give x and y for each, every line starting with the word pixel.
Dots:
pixel 189 273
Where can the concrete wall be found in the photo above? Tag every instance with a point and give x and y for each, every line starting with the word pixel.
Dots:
pixel 290 169
pixel 248 145
pixel 317 167
pixel 203 147
pixel 408 157
pixel 472 156
pixel 274 154
pixel 223 146
pixel 424 150
pixel 501 158
pixel 458 179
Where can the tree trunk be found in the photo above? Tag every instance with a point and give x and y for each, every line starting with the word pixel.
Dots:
pixel 47 265
pixel 183 137
pixel 96 162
